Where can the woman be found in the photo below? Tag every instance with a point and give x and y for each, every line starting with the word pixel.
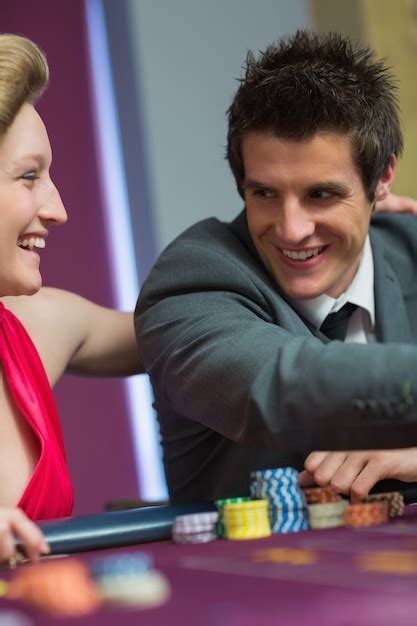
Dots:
pixel 43 332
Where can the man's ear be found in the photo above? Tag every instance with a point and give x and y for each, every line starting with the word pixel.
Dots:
pixel 386 181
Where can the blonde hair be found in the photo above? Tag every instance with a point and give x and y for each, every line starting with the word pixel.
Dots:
pixel 24 76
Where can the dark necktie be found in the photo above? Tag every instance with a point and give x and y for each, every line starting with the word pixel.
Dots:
pixel 336 324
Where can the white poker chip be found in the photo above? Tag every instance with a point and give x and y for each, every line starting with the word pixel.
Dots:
pixel 147 590
pixel 327 522
pixel 326 509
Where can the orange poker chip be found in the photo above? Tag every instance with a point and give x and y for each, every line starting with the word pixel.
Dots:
pixel 62 588
pixel 320 495
pixel 395 500
pixel 366 514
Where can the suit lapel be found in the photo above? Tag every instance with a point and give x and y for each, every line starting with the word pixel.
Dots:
pixel 391 319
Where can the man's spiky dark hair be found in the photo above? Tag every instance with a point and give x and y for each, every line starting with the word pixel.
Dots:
pixel 310 83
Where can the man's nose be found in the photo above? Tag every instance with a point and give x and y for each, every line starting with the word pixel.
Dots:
pixel 52 209
pixel 294 223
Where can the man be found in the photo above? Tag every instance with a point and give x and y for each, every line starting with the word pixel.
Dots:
pixel 247 371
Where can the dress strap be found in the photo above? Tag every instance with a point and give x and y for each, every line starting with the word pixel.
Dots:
pixel 49 491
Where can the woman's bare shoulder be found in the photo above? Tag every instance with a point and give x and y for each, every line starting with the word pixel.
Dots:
pixel 47 317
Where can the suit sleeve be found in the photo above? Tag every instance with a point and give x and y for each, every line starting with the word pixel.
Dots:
pixel 216 355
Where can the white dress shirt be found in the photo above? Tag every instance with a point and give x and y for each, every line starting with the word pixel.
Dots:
pixel 361 327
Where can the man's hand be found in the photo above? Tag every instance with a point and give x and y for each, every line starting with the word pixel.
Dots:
pixel 355 473
pixel 396 204
pixel 14 523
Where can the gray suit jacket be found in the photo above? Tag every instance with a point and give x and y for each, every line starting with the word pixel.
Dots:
pixel 242 382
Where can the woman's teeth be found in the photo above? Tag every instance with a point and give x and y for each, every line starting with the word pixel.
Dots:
pixel 33 242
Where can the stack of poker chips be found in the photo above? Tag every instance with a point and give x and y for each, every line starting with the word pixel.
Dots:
pixel 195 527
pixel 246 520
pixel 287 504
pixel 366 514
pixel 395 500
pixel 220 505
pixel 319 495
pixel 326 509
pixel 130 580
pixel 327 514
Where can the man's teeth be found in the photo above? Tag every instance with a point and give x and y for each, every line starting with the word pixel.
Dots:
pixel 303 254
pixel 33 242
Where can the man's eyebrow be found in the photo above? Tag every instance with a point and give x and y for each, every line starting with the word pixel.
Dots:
pixel 330 185
pixel 251 183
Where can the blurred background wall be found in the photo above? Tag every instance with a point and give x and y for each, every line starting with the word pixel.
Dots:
pixel 149 81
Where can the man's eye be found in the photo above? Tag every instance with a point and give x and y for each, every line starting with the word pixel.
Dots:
pixel 321 194
pixel 263 193
pixel 31 176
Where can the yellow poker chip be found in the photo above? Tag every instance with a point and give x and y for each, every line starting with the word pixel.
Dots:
pixel 251 505
pixel 258 533
pixel 246 520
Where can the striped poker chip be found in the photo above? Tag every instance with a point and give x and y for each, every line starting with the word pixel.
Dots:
pixel 195 527
pixel 234 521
pixel 261 488
pixel 237 500
pixel 196 522
pixel 197 519
pixel 287 499
pixel 366 514
pixel 395 500
pixel 123 564
pixel 248 512
pixel 199 537
pixel 246 520
pixel 327 509
pixel 319 495
pixel 220 504
pixel 331 521
pixel 242 534
pixel 250 505
pixel 289 521
pixel 289 473
pixel 287 503
pixel 147 590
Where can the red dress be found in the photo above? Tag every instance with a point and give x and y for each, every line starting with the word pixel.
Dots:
pixel 48 494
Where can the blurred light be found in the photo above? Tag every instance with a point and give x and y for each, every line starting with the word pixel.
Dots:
pixel 150 475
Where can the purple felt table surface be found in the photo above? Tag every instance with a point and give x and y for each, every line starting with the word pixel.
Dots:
pixel 338 577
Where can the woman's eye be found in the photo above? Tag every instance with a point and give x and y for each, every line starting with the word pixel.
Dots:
pixel 32 176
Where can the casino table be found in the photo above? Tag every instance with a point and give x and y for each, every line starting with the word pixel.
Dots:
pixel 333 577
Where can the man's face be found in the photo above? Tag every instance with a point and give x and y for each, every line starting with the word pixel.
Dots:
pixel 307 211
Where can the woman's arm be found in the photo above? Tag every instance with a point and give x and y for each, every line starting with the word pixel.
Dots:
pixel 75 335
pixel 396 204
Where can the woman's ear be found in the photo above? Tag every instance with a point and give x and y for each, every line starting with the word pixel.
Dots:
pixel 386 181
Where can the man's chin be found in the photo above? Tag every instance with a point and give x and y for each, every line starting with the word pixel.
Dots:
pixel 302 292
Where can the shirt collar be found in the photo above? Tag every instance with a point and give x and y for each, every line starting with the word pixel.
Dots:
pixel 359 292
